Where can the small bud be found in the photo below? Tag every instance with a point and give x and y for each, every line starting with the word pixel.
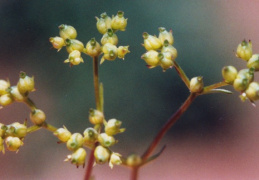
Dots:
pixel 109 37
pixel 196 84
pixel 229 74
pixel 78 157
pixel 2 145
pixel 17 130
pixel 106 140
pixel 93 48
pixel 25 83
pixel 95 116
pixel 169 48
pixel 244 50
pixel 240 84
pixel 6 99
pixel 38 117
pixel 133 160
pixel 90 136
pixel 104 23
pixel 113 127
pixel 62 134
pixel 13 143
pixel 246 74
pixel 74 44
pixel 57 42
pixel 101 154
pixel 165 35
pixel 119 22
pixel 74 58
pixel 151 42
pixel 16 95
pixel 110 52
pixel 2 130
pixel 115 159
pixel 75 141
pixel 67 31
pixel 252 92
pixel 4 85
pixel 166 61
pixel 253 62
pixel 122 51
pixel 151 58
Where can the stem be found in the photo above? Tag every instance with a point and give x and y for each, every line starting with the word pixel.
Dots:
pixel 168 125
pixel 49 127
pixel 213 86
pixel 134 173
pixel 33 128
pixel 98 107
pixel 182 74
pixel 30 103
pixel 96 83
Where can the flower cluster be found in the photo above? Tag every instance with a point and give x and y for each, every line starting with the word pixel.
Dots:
pixel 108 46
pixel 243 80
pixel 90 138
pixel 160 50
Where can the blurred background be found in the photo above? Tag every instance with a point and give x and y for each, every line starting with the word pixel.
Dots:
pixel 217 138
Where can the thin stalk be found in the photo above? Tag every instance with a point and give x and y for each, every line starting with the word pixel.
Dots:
pixel 49 127
pixel 98 107
pixel 182 74
pixel 33 128
pixel 168 125
pixel 30 103
pixel 134 173
pixel 213 86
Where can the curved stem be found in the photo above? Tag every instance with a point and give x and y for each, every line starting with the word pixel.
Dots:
pixel 134 173
pixel 30 103
pixel 168 125
pixel 213 86
pixel 98 107
pixel 182 74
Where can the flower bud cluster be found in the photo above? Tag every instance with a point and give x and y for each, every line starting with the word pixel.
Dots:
pixel 160 50
pixel 90 138
pixel 13 135
pixel 243 80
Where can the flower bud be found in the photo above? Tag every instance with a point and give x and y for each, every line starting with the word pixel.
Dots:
pixel 74 44
pixel 246 74
pixel 196 84
pixel 240 84
pixel 16 95
pixel 38 117
pixel 115 159
pixel 229 74
pixel 57 42
pixel 109 37
pixel 169 48
pixel 133 160
pixel 151 58
pixel 244 50
pixel 78 157
pixel 110 52
pixel 75 141
pixel 4 85
pixel 62 134
pixel 106 140
pixel 90 136
pixel 253 62
pixel 166 60
pixel 122 51
pixel 13 143
pixel 165 35
pixel 17 130
pixel 119 22
pixel 67 31
pixel 252 92
pixel 2 145
pixel 101 154
pixel 6 99
pixel 151 42
pixel 113 127
pixel 3 128
pixel 74 58
pixel 93 48
pixel 25 83
pixel 95 116
pixel 104 23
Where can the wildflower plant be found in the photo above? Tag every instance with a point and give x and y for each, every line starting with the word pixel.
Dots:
pixel 97 141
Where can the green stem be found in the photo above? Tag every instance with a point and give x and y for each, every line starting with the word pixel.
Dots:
pixel 168 125
pixel 98 107
pixel 182 74
pixel 33 128
pixel 207 89
pixel 30 103
pixel 49 127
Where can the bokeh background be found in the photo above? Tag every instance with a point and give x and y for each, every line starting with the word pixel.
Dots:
pixel 217 138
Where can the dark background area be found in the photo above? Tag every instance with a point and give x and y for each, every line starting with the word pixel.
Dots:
pixel 206 139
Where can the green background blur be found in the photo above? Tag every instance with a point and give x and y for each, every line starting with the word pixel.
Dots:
pixel 217 133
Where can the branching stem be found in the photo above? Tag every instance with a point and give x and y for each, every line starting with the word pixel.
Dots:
pixel 182 74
